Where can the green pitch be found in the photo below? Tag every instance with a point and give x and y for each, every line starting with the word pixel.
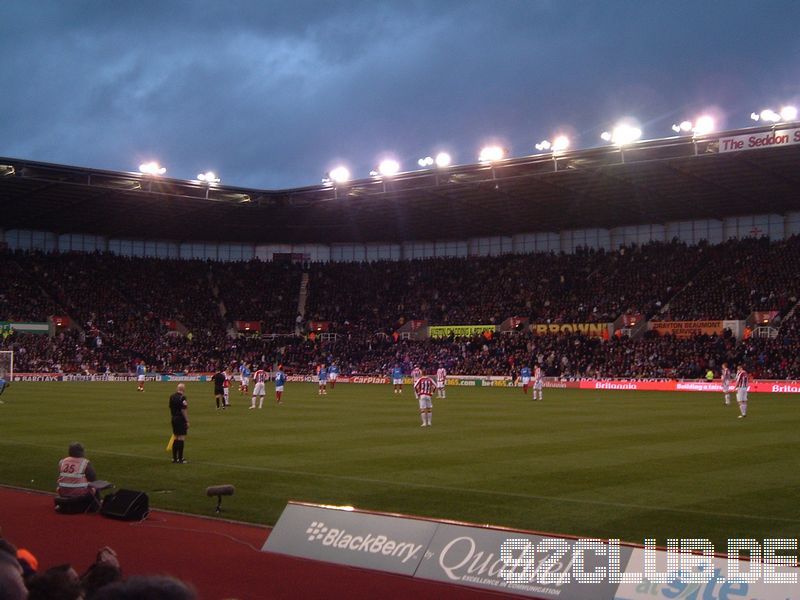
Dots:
pixel 605 464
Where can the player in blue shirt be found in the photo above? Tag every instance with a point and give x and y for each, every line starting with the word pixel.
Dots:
pixel 244 374
pixel 525 374
pixel 397 379
pixel 322 375
pixel 279 377
pixel 3 385
pixel 140 371
pixel 333 374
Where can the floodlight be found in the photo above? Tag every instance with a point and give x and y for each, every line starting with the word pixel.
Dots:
pixel 542 146
pixel 208 177
pixel 703 125
pixel 685 126
pixel 789 113
pixel 770 116
pixel 622 134
pixel 560 143
pixel 339 175
pixel 754 116
pixel 425 162
pixel 443 160
pixel 388 167
pixel 491 153
pixel 152 168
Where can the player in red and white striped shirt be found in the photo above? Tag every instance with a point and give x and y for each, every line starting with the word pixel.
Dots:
pixel 424 388
pixel 742 385
pixel 441 379
pixel 538 382
pixel 260 377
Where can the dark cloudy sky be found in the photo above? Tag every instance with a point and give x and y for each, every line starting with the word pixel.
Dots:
pixel 274 94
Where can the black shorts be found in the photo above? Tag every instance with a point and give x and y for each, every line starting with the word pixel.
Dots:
pixel 218 391
pixel 179 426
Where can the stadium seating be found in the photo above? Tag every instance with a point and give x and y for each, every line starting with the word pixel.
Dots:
pixel 178 315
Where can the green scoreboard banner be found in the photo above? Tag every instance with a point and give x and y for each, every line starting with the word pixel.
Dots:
pixel 442 331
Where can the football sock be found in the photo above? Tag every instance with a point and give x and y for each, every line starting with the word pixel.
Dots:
pixel 178 445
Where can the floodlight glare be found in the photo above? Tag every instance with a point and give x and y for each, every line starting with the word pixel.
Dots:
pixel 491 154
pixel 208 177
pixel 754 116
pixel 388 167
pixel 703 125
pixel 622 134
pixel 339 175
pixel 152 168
pixel 770 116
pixel 789 113
pixel 560 143
pixel 685 126
pixel 443 160
pixel 542 146
pixel 425 162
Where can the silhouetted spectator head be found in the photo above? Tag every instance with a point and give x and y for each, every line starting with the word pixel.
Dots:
pixel 57 583
pixel 76 450
pixel 12 587
pixel 147 588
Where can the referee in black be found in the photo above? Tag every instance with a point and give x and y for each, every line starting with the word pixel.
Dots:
pixel 178 407
pixel 219 389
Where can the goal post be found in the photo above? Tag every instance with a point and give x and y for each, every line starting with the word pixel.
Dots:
pixel 7 365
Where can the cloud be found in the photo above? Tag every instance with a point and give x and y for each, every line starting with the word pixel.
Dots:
pixel 272 95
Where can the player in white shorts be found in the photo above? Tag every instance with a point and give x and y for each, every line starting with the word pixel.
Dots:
pixel 441 379
pixel 538 382
pixel 423 389
pixel 333 375
pixel 244 374
pixel 742 386
pixel 260 376
pixel 227 388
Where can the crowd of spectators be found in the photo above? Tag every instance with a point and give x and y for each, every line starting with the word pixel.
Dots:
pixel 176 315
pixel 741 276
pixel 588 286
pixel 22 578
pixel 564 355
pixel 260 291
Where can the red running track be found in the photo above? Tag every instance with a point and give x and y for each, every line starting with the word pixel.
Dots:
pixel 221 559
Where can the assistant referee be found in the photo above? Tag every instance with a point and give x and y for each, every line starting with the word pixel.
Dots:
pixel 178 408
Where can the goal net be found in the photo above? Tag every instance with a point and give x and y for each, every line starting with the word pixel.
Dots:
pixel 6 365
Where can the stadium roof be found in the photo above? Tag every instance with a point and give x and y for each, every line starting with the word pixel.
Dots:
pixel 656 181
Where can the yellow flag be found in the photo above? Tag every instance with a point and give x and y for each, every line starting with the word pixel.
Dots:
pixel 170 442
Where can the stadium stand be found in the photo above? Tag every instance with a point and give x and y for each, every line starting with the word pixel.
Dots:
pixel 121 306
